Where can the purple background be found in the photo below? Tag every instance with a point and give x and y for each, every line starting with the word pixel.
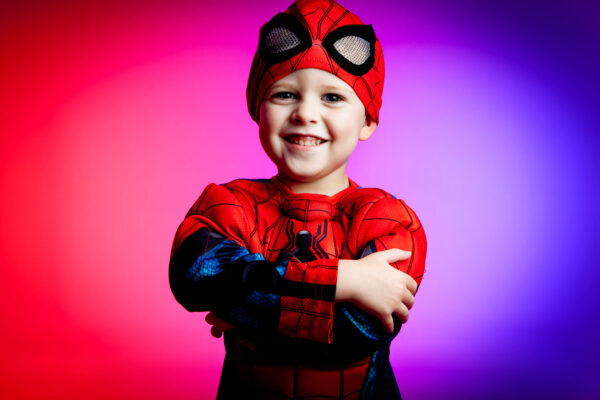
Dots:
pixel 114 116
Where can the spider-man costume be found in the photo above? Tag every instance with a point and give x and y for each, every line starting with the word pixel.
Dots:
pixel 265 260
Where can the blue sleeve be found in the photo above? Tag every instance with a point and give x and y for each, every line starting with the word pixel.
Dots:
pixel 212 273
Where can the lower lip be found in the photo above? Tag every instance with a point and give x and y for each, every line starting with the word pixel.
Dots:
pixel 298 147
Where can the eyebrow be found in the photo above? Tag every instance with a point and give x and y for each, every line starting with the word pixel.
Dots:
pixel 335 88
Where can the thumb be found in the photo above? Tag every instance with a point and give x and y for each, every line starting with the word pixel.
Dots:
pixel 393 255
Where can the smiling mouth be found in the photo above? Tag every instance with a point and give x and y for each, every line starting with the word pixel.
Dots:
pixel 304 140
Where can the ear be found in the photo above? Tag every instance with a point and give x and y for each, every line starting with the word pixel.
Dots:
pixel 368 129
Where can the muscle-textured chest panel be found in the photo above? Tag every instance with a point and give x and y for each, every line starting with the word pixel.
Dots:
pixel 310 229
pixel 307 225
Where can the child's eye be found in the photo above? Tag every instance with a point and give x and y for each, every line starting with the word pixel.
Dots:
pixel 332 97
pixel 284 95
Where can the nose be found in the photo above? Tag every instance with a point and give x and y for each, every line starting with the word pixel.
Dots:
pixel 306 112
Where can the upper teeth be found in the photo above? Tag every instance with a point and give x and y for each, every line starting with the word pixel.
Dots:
pixel 304 140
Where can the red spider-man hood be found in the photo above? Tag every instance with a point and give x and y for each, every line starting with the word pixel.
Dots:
pixel 318 34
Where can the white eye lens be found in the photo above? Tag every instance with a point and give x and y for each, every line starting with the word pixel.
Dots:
pixel 281 39
pixel 354 48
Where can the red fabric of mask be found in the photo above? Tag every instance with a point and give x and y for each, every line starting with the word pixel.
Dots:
pixel 318 34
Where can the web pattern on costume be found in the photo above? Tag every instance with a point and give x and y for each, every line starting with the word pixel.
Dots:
pixel 276 245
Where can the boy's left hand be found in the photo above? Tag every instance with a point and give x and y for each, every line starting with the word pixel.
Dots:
pixel 218 325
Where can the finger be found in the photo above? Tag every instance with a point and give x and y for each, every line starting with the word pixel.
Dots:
pixel 412 285
pixel 409 300
pixel 388 323
pixel 393 255
pixel 216 332
pixel 210 318
pixel 402 313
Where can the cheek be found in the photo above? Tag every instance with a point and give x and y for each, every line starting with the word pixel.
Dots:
pixel 355 123
pixel 347 128
pixel 261 113
pixel 270 117
pixel 268 137
pixel 265 139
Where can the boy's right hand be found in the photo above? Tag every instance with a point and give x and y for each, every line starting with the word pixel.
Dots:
pixel 376 287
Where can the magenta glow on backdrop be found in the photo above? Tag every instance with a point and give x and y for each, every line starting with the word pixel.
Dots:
pixel 115 116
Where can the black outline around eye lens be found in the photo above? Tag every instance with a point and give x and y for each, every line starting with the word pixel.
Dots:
pixel 294 25
pixel 363 31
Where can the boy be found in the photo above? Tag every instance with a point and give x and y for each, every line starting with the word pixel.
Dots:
pixel 306 268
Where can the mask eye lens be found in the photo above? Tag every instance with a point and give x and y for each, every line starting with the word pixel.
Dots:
pixel 280 39
pixel 354 48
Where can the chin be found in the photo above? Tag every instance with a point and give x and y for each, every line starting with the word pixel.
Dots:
pixel 300 177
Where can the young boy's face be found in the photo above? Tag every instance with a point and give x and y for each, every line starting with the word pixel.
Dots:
pixel 310 122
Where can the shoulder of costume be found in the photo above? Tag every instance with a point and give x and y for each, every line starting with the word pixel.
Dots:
pixel 375 203
pixel 252 191
pixel 240 195
pixel 224 210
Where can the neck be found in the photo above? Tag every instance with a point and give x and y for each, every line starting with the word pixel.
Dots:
pixel 329 185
